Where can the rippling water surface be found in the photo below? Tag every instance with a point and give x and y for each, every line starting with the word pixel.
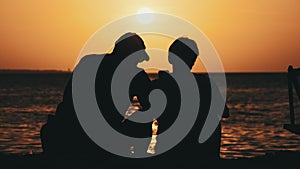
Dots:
pixel 258 109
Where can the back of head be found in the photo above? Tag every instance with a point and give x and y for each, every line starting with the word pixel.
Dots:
pixel 186 49
pixel 128 44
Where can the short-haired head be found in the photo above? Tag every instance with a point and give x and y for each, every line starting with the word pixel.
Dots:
pixel 129 43
pixel 186 49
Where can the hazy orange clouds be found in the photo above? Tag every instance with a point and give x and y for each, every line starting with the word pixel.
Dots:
pixel 258 35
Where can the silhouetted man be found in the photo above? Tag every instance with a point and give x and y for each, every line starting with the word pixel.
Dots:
pixel 189 148
pixel 63 133
pixel 187 50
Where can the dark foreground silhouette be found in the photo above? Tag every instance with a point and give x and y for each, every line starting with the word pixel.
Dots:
pixel 189 147
pixel 63 135
pixel 274 160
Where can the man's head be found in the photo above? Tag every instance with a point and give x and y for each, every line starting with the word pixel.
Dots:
pixel 186 49
pixel 128 44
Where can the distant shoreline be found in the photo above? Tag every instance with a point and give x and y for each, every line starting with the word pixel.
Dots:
pixel 53 71
pixel 25 71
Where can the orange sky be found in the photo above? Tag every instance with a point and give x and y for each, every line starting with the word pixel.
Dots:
pixel 250 36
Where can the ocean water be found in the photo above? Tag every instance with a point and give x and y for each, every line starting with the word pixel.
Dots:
pixel 258 109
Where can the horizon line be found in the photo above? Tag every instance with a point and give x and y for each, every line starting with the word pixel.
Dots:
pixel 70 71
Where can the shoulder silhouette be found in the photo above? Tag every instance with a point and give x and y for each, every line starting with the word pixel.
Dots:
pixel 63 134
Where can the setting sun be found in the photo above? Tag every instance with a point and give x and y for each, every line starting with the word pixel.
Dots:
pixel 145 15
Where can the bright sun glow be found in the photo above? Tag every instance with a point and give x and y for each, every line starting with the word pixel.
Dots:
pixel 145 15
